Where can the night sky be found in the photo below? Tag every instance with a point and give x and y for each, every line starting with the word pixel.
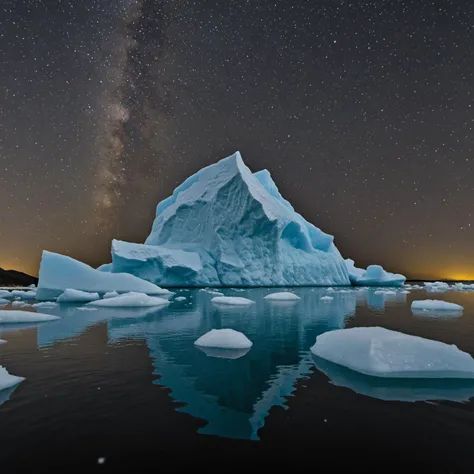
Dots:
pixel 361 110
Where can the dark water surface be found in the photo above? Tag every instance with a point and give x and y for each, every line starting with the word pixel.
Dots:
pixel 130 387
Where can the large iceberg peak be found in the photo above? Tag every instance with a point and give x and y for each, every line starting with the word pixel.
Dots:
pixel 224 169
pixel 243 231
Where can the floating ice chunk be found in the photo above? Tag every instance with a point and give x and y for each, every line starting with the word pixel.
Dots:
pixel 58 273
pixel 20 303
pixel 77 296
pixel 212 292
pixel 130 300
pixel 2 341
pixel 110 294
pixel 85 308
pixel 231 300
pixel 224 339
pixel 282 296
pixel 437 286
pixel 4 301
pixel 440 284
pixel 354 272
pixel 7 380
pixel 5 294
pixel 375 275
pixel 24 317
pixel 463 286
pixel 380 352
pixel 436 305
pixel 327 298
pixel 45 304
pixel 24 295
pixel 180 298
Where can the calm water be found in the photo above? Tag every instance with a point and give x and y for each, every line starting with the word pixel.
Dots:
pixel 129 386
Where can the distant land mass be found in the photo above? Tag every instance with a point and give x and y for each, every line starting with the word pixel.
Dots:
pixel 15 278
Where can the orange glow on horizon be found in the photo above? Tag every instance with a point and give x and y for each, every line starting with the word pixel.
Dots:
pixel 460 276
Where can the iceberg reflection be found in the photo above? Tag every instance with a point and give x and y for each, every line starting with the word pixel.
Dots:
pixel 403 390
pixel 234 392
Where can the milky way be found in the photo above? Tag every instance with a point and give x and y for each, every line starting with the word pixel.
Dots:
pixel 362 111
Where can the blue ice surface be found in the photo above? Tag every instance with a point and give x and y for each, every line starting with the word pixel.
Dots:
pixel 225 226
pixel 374 275
pixel 59 273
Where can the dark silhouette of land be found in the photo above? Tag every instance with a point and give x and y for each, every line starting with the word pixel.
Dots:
pixel 15 278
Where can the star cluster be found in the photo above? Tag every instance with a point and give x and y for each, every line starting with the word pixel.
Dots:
pixel 362 111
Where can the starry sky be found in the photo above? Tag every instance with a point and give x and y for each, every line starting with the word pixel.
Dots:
pixel 362 110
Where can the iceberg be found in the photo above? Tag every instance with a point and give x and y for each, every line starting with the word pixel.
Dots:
pixel 5 294
pixel 59 272
pixel 282 296
pixel 77 296
pixel 2 341
pixel 435 305
pixel 231 301
pixel 354 272
pixel 225 226
pixel 130 300
pixel 7 380
pixel 224 339
pixel 380 352
pixel 375 275
pixel 180 298
pixel 4 301
pixel 7 316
